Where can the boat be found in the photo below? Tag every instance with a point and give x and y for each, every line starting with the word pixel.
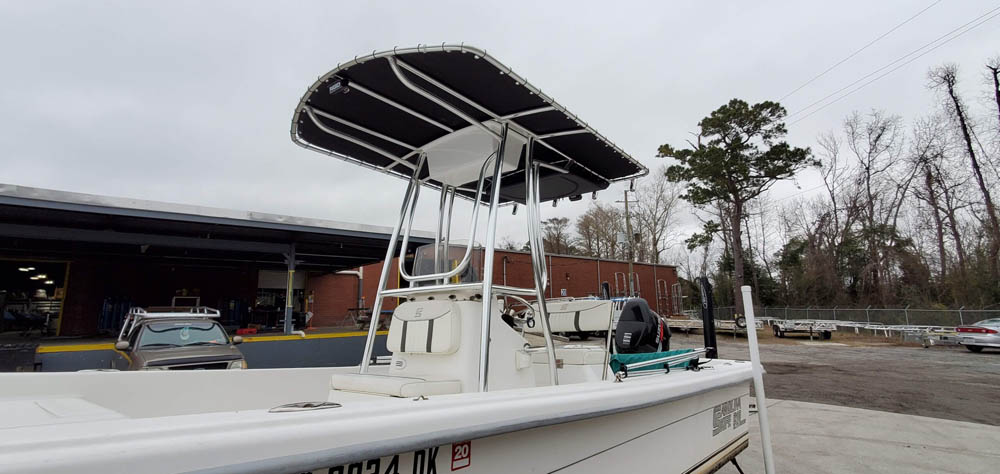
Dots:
pixel 464 390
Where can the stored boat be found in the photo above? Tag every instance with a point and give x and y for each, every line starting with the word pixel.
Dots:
pixel 464 391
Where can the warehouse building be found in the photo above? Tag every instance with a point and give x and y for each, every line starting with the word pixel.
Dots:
pixel 72 264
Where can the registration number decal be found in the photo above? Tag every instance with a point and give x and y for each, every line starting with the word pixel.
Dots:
pixel 727 415
pixel 421 461
pixel 461 455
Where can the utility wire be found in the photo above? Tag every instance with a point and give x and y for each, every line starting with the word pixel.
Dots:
pixel 993 14
pixel 798 193
pixel 855 53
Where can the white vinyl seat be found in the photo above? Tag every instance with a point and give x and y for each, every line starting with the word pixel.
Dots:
pixel 394 385
pixel 425 329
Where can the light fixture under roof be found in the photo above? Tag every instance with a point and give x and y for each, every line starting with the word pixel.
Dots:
pixel 24 269
pixel 50 282
pixel 42 276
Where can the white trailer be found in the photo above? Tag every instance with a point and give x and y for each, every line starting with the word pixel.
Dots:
pixel 825 329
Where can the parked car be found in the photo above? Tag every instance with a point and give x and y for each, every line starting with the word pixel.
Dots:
pixel 985 333
pixel 178 339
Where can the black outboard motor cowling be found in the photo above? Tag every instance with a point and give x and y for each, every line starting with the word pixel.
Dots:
pixel 640 330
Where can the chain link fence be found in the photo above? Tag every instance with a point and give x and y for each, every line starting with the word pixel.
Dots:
pixel 887 316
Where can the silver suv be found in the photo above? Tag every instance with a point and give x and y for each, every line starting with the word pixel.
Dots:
pixel 178 339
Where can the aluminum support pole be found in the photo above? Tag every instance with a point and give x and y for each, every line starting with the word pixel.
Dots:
pixel 489 251
pixel 758 381
pixel 390 252
pixel 532 198
pixel 446 237
pixel 631 248
pixel 438 233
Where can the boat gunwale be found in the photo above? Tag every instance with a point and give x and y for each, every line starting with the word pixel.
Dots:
pixel 345 454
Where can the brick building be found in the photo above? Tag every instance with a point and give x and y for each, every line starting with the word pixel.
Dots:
pixel 333 294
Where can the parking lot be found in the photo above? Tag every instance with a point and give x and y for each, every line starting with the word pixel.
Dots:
pixel 946 382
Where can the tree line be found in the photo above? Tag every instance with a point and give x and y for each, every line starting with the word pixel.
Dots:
pixel 906 213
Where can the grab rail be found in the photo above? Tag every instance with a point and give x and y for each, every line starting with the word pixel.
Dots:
pixel 667 361
pixel 472 234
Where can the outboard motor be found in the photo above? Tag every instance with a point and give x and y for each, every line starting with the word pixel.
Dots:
pixel 639 329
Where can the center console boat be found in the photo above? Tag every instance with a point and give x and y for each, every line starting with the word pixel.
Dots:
pixel 465 390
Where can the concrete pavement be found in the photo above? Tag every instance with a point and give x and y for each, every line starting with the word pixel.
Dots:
pixel 816 438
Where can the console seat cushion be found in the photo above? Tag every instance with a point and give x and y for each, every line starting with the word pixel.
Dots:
pixel 394 386
pixel 571 355
pixel 576 316
pixel 425 327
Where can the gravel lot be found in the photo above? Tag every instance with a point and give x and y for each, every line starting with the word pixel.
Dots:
pixel 942 382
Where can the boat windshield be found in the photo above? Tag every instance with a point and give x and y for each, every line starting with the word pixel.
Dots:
pixel 180 334
pixel 423 262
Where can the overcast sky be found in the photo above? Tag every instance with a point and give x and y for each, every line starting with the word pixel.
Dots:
pixel 191 102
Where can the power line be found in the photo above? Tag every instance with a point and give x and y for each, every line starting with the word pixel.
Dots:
pixel 901 58
pixel 855 53
pixel 798 193
pixel 862 86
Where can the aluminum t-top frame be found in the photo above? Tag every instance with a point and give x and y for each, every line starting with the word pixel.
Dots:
pixel 452 117
pixel 486 288
pixel 384 110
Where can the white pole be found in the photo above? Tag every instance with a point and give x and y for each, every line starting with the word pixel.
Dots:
pixel 758 381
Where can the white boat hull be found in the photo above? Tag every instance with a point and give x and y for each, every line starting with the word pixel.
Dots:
pixel 668 438
pixel 660 423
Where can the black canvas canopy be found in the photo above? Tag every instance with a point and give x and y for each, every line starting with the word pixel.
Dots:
pixel 383 110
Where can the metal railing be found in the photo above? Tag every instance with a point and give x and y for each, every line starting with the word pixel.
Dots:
pixel 907 316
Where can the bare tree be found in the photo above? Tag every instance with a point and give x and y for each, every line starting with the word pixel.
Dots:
pixel 993 66
pixel 925 151
pixel 507 243
pixel 946 78
pixel 877 141
pixel 598 229
pixel 654 214
pixel 556 236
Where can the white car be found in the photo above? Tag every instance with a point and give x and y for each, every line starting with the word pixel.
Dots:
pixel 985 333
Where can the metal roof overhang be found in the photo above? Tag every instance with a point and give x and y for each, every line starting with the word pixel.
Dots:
pixel 36 222
pixel 382 110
